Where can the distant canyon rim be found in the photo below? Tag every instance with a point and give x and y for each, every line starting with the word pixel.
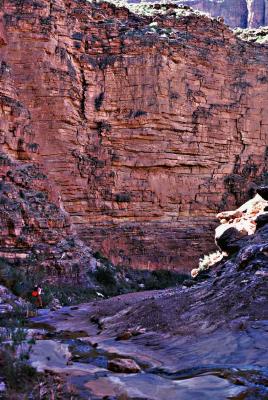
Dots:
pixel 236 13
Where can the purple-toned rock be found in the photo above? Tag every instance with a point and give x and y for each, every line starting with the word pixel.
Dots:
pixel 124 365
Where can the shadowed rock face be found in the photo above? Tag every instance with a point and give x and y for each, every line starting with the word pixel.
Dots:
pixel 232 295
pixel 236 13
pixel 144 130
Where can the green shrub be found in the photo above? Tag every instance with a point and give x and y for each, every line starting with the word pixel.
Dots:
pixel 19 280
pixel 67 294
pixel 16 372
pixel 18 335
pixel 105 276
pixel 162 279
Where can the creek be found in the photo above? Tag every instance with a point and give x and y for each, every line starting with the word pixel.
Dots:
pixel 225 364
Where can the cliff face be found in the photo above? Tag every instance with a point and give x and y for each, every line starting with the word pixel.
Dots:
pixel 35 231
pixel 36 234
pixel 145 125
pixel 236 13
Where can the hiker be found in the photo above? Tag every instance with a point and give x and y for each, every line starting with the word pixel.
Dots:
pixel 36 294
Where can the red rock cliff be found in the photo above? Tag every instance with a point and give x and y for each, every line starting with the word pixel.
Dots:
pixel 35 231
pixel 146 125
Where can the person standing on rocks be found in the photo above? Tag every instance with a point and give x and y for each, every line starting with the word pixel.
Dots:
pixel 36 294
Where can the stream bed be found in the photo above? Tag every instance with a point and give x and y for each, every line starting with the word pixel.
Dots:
pixel 226 364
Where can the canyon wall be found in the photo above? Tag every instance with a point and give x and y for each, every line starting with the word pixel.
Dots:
pixel 36 235
pixel 236 13
pixel 145 126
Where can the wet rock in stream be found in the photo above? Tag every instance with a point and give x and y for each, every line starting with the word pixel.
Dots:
pixel 123 365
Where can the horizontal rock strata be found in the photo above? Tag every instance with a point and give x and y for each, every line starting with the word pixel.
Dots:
pixel 147 126
pixel 232 294
pixel 35 232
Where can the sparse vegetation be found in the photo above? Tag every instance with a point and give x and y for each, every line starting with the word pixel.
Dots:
pixel 119 280
pixel 24 382
pixel 17 373
pixel 151 9
pixel 21 380
pixel 67 294
pixel 259 35
pixel 207 261
pixel 15 370
pixel 162 279
pixel 107 279
pixel 19 280
pixel 136 114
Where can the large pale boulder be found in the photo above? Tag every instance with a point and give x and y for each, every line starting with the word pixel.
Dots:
pixel 240 223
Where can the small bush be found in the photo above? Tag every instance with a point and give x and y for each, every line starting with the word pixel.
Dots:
pixel 18 335
pixel 16 372
pixel 67 294
pixel 136 114
pixel 161 279
pixel 105 276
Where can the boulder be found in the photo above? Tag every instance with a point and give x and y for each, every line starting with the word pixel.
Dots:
pixel 55 304
pixel 241 222
pixel 229 240
pixel 124 335
pixel 263 192
pixel 261 220
pixel 124 365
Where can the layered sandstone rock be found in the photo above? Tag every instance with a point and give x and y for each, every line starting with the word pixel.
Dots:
pixel 146 126
pixel 35 230
pixel 236 13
